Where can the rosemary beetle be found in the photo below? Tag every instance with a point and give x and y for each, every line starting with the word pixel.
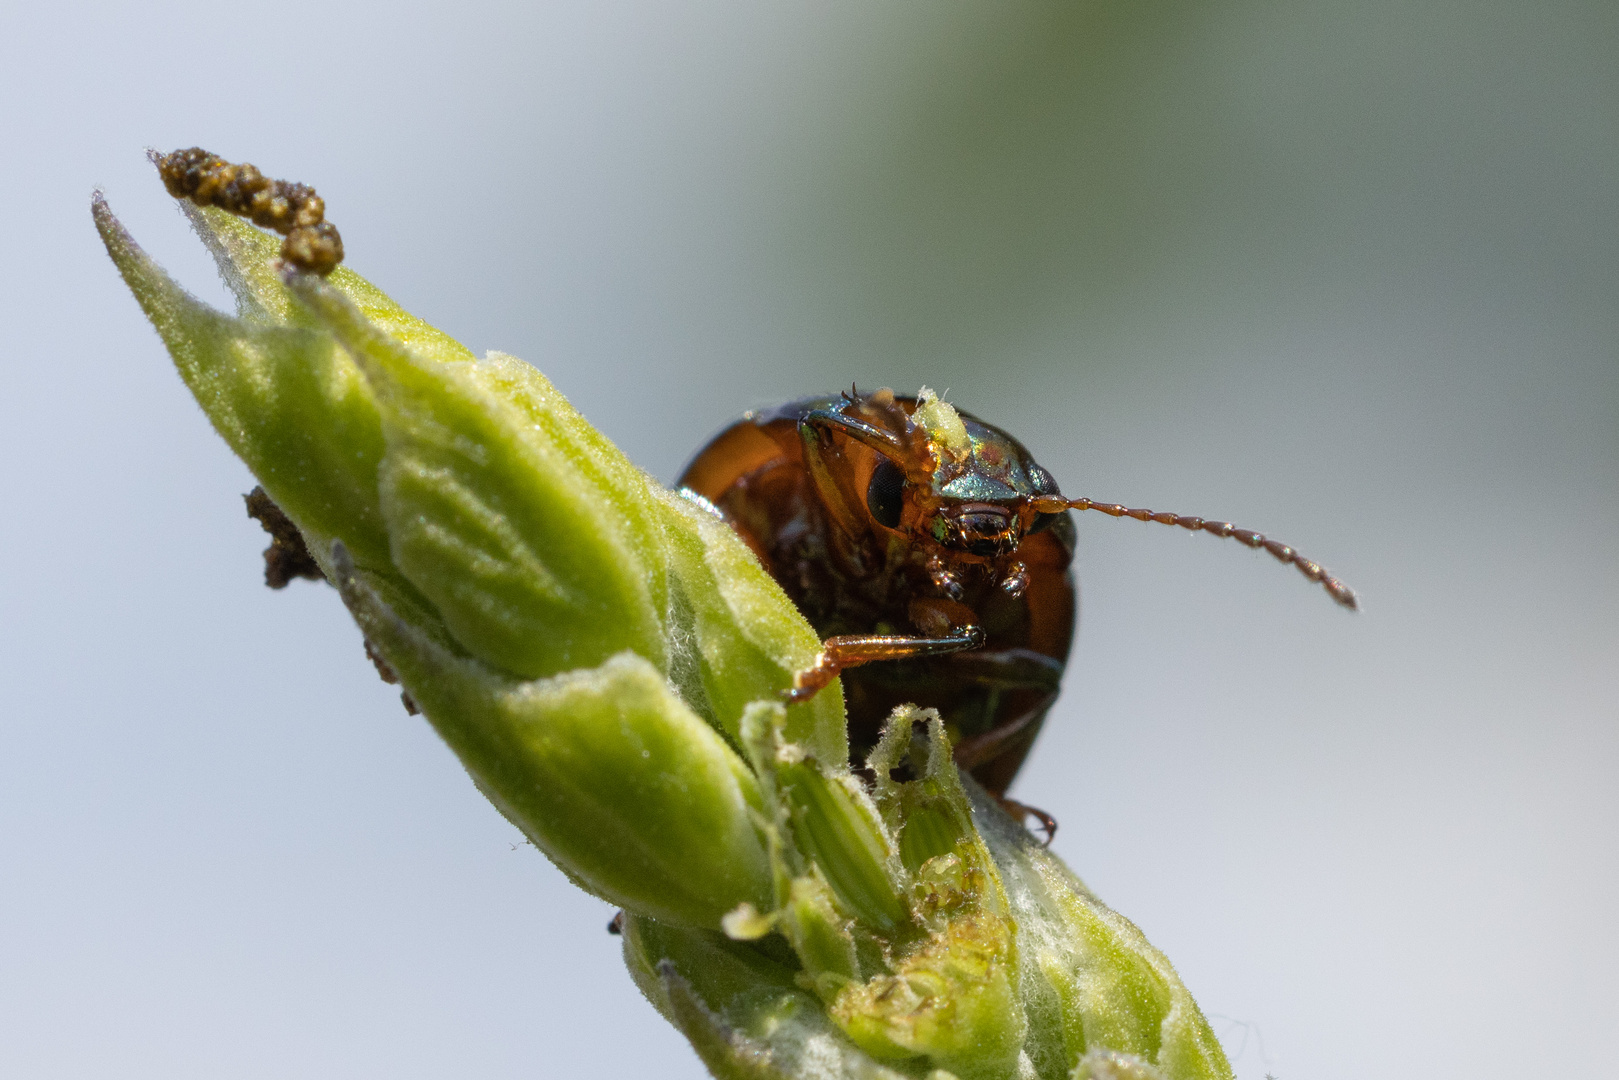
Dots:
pixel 931 552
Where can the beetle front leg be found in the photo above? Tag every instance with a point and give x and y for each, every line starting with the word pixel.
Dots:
pixel 852 650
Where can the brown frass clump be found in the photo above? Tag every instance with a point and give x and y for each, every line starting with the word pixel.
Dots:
pixel 293 210
pixel 287 557
pixel 391 677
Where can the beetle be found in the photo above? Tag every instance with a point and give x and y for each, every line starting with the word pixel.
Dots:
pixel 931 552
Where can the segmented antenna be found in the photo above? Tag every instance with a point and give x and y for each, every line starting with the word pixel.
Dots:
pixel 293 210
pixel 1336 589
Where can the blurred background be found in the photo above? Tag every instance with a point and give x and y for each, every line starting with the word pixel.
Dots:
pixel 1341 271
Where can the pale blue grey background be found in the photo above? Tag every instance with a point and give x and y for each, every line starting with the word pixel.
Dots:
pixel 1341 271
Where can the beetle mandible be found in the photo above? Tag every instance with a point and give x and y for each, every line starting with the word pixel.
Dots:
pixel 932 554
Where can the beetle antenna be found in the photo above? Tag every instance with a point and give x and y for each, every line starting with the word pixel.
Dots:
pixel 1336 589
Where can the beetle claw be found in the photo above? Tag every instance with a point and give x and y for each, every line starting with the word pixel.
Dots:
pixel 1022 811
pixel 1016 580
pixel 943 580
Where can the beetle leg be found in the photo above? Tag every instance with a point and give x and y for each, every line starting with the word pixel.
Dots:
pixel 838 653
pixel 1020 811
pixel 828 471
pixel 946 582
pixel 976 751
pixel 1016 580
pixel 1012 669
pixel 993 756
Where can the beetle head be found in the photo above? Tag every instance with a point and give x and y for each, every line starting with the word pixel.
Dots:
pixel 957 488
pixel 962 492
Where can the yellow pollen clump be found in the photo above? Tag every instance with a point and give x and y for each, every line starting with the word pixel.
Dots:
pixel 943 425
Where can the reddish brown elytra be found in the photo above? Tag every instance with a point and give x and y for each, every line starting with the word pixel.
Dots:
pixel 919 536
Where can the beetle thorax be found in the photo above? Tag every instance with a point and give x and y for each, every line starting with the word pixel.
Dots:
pixel 950 494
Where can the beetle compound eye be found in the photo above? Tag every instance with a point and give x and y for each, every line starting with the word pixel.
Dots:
pixel 1042 522
pixel 884 498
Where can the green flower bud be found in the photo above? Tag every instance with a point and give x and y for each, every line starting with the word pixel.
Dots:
pixel 951 1001
pixel 1002 964
pixel 606 658
pixel 605 769
pixel 930 814
pixel 287 398
pixel 950 994
pixel 1089 978
pixel 736 638
pixel 838 831
pixel 491 537
pixel 821 936
pixel 742 1008
pixel 536 563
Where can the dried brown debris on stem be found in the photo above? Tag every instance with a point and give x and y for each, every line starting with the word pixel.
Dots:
pixel 286 557
pixel 293 210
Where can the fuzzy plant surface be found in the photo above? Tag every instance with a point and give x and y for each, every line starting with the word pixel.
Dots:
pixel 607 659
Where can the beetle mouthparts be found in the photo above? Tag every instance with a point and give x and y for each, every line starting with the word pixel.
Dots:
pixel 984 529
